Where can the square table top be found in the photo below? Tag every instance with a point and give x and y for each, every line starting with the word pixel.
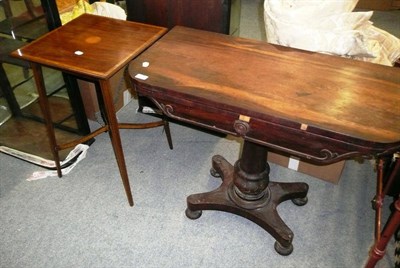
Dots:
pixel 291 87
pixel 91 45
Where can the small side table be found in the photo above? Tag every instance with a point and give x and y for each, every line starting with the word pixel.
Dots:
pixel 93 48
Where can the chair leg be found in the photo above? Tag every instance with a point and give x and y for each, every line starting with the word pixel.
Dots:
pixel 378 250
pixel 392 225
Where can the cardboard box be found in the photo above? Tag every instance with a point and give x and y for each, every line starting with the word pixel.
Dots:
pixel 330 173
pixel 121 93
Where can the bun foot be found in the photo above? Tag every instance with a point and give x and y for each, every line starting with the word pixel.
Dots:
pixel 193 214
pixel 300 201
pixel 284 251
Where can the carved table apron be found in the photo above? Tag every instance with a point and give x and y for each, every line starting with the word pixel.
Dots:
pixel 318 107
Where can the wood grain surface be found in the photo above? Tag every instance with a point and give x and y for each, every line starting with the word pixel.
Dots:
pixel 104 49
pixel 334 94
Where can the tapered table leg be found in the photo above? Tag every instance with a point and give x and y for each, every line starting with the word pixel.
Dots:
pixel 115 138
pixel 247 191
pixel 45 108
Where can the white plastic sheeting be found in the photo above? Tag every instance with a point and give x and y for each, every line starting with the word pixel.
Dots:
pixel 329 27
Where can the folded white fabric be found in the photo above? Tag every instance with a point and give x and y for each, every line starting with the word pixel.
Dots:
pixel 329 27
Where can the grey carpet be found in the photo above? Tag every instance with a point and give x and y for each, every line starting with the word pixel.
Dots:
pixel 83 219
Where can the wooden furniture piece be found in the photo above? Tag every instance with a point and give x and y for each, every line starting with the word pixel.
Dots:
pixel 210 15
pixel 378 5
pixel 8 45
pixel 17 105
pixel 94 48
pixel 387 179
pixel 23 128
pixel 317 107
pixel 28 25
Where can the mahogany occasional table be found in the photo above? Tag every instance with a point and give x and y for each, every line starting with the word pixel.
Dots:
pixel 93 48
pixel 317 107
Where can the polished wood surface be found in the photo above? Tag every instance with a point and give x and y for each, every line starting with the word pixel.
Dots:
pixel 319 107
pixel 94 48
pixel 245 189
pixel 107 45
pixel 338 107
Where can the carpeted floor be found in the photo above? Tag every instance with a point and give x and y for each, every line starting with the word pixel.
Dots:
pixel 84 220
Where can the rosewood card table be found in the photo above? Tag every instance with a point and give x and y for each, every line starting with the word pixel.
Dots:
pixel 93 48
pixel 318 107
